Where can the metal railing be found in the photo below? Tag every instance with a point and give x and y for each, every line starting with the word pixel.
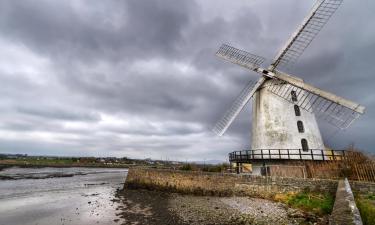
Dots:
pixel 286 154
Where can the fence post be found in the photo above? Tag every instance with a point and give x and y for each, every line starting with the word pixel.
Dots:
pixel 356 170
pixel 300 156
pixel 304 172
pixel 363 171
pixel 269 153
pixel 373 172
pixel 322 155
pixel 279 154
pixel 312 154
pixel 368 175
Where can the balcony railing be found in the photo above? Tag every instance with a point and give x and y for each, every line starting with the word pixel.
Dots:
pixel 286 154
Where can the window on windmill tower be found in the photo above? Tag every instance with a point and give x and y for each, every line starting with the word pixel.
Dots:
pixel 300 126
pixel 305 146
pixel 294 96
pixel 297 110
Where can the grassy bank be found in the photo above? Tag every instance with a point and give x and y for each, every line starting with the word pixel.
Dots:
pixel 366 206
pixel 319 203
pixel 56 163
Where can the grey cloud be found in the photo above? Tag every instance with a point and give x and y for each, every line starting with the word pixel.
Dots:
pixel 58 113
pixel 153 61
pixel 115 31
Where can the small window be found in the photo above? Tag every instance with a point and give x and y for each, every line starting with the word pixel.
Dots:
pixel 294 96
pixel 297 110
pixel 305 146
pixel 300 126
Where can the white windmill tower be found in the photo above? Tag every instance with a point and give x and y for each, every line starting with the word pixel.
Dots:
pixel 280 129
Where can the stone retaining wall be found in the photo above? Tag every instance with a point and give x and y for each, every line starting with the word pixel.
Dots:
pixel 229 184
pixel 222 184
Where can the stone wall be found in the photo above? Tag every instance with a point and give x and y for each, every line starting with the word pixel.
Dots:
pixel 363 187
pixel 222 184
pixel 345 210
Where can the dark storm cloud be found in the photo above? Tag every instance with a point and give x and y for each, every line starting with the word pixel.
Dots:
pixel 107 31
pixel 140 78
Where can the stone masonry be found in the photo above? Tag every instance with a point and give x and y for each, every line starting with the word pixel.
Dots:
pixel 223 184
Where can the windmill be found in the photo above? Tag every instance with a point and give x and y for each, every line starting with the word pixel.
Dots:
pixel 278 123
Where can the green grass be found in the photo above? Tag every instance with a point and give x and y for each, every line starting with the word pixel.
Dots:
pixel 36 162
pixel 316 202
pixel 366 206
pixel 48 161
pixel 370 197
pixel 58 162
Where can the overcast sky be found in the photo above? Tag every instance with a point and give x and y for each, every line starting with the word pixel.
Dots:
pixel 139 78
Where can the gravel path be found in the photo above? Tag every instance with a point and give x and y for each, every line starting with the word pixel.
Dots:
pixel 264 211
pixel 196 210
pixel 151 207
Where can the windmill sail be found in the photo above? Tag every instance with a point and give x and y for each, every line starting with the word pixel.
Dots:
pixel 239 57
pixel 301 39
pixel 237 106
pixel 337 111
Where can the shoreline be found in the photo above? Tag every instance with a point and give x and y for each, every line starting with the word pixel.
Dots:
pixel 21 165
pixel 55 172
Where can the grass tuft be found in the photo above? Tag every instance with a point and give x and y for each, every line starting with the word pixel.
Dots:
pixel 366 206
pixel 319 203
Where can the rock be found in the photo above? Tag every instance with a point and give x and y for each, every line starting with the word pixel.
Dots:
pixel 293 213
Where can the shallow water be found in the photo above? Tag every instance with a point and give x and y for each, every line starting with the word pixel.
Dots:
pixel 75 196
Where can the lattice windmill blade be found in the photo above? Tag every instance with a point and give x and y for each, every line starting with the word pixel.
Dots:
pixel 337 111
pixel 301 39
pixel 239 57
pixel 245 95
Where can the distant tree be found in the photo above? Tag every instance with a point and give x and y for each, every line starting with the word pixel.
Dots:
pixel 216 168
pixel 187 167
